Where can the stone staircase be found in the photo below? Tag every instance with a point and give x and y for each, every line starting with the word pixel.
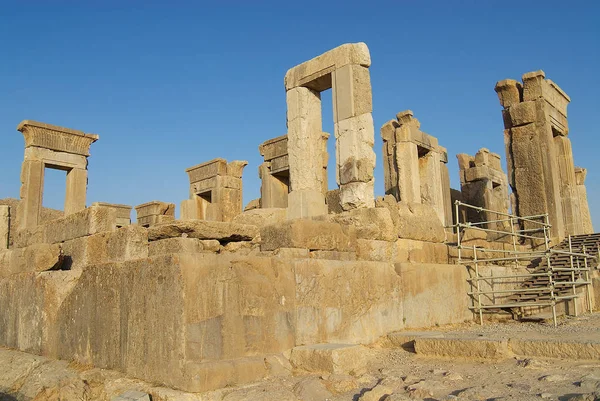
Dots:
pixel 563 279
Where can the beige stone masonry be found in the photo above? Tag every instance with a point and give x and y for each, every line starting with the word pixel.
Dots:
pixel 4 226
pixel 202 229
pixel 584 208
pixel 50 146
pixel 344 70
pixel 126 243
pixel 315 73
pixel 539 156
pixel 123 212
pixel 92 220
pixel 274 172
pixel 415 168
pixel 484 184
pixel 34 258
pixel 154 212
pixel 303 233
pixel 329 358
pixel 215 191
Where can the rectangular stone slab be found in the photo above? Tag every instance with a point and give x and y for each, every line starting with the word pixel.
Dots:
pixel 201 229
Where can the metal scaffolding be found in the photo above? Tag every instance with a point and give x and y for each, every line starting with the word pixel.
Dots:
pixel 553 281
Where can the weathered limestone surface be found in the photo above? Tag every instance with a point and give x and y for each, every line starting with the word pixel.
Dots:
pixel 345 70
pixel 539 156
pixel 309 72
pixel 584 208
pixel 13 205
pixel 433 293
pixel 414 220
pixel 368 223
pixel 50 146
pixel 475 347
pixel 201 229
pixel 261 217
pixel 415 165
pixel 329 358
pixel 154 212
pixel 4 226
pixel 215 191
pixel 93 220
pixel 182 245
pixel 483 184
pixel 126 243
pixel 34 258
pixel 304 233
pixel 123 212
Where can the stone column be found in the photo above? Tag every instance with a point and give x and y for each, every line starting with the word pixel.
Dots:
pixel 446 195
pixel 76 190
pixel 409 177
pixel 431 183
pixel 304 124
pixel 584 208
pixel 532 113
pixel 568 185
pixel 4 226
pixel 32 187
pixel 355 136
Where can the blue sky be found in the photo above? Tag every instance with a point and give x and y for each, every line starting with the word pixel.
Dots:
pixel 168 85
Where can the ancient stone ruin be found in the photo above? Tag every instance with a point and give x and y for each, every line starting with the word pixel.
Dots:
pixel 221 297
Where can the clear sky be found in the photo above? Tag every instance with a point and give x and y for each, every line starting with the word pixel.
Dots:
pixel 168 85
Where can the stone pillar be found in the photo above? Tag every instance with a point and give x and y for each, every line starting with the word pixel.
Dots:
pixel 414 166
pixel 446 190
pixel 215 191
pixel 484 184
pixel 584 208
pixel 32 187
pixel 76 190
pixel 345 70
pixel 50 146
pixel 534 112
pixel 4 226
pixel 568 185
pixel 155 212
pixel 306 197
pixel 355 136
pixel 409 178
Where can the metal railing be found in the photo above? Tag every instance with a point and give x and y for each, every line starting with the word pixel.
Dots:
pixel 521 230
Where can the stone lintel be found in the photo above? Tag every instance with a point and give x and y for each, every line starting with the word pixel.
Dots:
pixel 56 138
pixel 155 208
pixel 533 74
pixel 273 148
pixel 214 168
pixel 315 73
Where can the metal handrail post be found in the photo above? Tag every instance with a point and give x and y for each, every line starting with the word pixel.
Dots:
pixel 478 286
pixel 573 276
pixel 587 279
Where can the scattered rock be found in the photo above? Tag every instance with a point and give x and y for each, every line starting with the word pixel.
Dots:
pixel 532 363
pixel 553 378
pixel 453 377
pixel 424 388
pixel 310 389
pixel 376 393
pixel 546 395
pixel 340 383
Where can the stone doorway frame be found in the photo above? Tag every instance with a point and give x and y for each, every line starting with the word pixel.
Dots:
pixel 345 71
pixel 53 147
